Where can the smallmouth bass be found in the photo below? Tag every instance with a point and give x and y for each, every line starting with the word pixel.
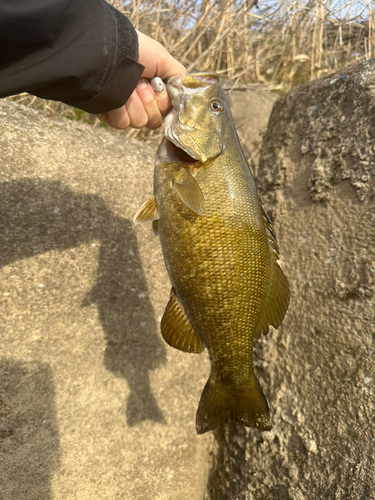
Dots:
pixel 219 248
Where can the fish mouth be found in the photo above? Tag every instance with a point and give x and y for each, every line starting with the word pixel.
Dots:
pixel 179 87
pixel 172 129
pixel 169 152
pixel 175 90
pixel 172 126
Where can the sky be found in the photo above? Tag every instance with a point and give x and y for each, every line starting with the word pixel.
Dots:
pixel 339 8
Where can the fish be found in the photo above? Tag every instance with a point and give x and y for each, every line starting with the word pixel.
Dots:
pixel 219 247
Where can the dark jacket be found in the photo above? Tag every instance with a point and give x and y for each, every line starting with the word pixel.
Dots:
pixel 81 52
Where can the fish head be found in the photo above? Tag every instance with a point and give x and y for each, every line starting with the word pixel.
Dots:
pixel 197 122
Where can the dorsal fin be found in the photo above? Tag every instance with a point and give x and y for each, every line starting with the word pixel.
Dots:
pixel 277 291
pixel 271 235
pixel 176 328
pixel 276 303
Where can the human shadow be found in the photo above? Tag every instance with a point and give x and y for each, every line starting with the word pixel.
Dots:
pixel 38 216
pixel 133 345
pixel 29 438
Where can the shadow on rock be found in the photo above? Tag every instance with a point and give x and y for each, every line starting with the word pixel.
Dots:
pixel 29 439
pixel 38 216
pixel 224 482
pixel 133 345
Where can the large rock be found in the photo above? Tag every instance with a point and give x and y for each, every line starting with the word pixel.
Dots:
pixel 317 177
pixel 93 403
pixel 251 110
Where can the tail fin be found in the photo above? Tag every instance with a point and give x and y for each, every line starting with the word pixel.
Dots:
pixel 220 404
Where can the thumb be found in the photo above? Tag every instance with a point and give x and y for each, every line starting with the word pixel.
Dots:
pixel 156 59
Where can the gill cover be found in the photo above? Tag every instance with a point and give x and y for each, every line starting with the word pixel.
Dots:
pixel 195 127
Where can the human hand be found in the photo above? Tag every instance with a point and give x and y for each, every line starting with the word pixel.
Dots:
pixel 145 107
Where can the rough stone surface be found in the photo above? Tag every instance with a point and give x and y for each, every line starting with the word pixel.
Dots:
pixel 93 403
pixel 317 177
pixel 251 110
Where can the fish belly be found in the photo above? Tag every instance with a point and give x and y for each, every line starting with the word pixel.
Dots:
pixel 218 264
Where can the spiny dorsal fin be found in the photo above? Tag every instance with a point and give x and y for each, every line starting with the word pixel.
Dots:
pixel 190 193
pixel 147 213
pixel 176 328
pixel 271 235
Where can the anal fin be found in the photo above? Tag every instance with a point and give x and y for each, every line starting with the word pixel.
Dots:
pixel 177 330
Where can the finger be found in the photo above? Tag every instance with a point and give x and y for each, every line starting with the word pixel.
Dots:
pixel 168 65
pixel 103 117
pixel 161 95
pixel 156 59
pixel 118 118
pixel 150 104
pixel 136 111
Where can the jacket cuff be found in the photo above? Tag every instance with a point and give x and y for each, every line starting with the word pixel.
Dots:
pixel 116 90
pixel 126 71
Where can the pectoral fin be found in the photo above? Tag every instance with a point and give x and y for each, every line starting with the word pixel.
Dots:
pixel 200 145
pixel 190 193
pixel 147 213
pixel 176 328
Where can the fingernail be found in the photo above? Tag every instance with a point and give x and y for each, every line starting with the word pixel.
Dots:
pixel 157 84
pixel 143 83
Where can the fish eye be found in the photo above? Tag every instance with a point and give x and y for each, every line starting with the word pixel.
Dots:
pixel 216 106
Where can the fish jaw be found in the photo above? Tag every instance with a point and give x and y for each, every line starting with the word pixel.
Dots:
pixel 188 83
pixel 174 89
pixel 169 153
pixel 181 87
pixel 172 126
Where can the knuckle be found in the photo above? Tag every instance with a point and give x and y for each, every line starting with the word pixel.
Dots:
pixel 125 121
pixel 139 121
pixel 154 124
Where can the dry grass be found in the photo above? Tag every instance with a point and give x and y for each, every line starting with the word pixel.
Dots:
pixel 253 45
pixel 258 44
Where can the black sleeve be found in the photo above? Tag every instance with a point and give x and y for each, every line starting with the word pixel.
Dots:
pixel 81 52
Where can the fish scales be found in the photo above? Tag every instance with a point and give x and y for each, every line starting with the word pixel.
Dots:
pixel 219 249
pixel 217 311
